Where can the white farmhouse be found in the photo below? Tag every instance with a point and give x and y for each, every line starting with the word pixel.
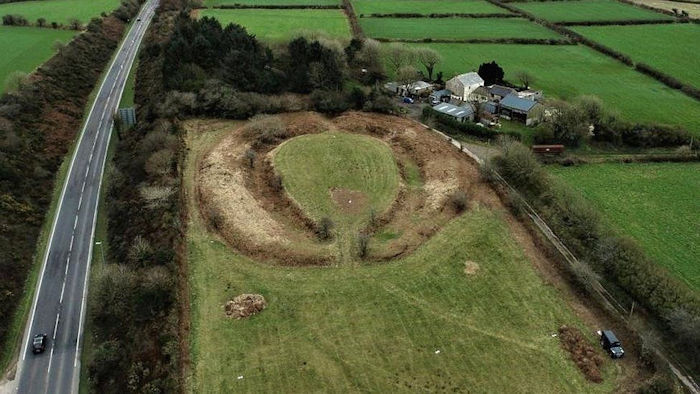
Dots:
pixel 462 85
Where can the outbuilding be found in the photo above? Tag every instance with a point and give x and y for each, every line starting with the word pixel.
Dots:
pixel 526 111
pixel 461 114
pixel 440 96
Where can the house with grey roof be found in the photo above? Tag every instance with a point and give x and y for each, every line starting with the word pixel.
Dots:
pixel 461 114
pixel 462 85
pixel 480 95
pixel 520 109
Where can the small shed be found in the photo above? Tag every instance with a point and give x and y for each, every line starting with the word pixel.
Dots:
pixel 522 110
pixel 440 96
pixel 461 114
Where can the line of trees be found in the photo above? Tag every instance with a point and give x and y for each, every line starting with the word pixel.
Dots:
pixel 39 119
pixel 133 306
pixel 615 259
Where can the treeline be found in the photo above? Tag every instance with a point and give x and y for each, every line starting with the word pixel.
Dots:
pixel 615 259
pixel 224 71
pixel 623 22
pixel 520 41
pixel 571 123
pixel 133 309
pixel 38 122
pixel 440 15
pixel 279 7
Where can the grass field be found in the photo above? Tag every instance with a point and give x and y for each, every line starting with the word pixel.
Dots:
pixel 587 10
pixel 25 48
pixel 379 328
pixel 212 3
pixel 453 28
pixel 656 204
pixel 279 25
pixel 60 11
pixel 567 71
pixel 664 47
pixel 368 7
pixel 313 164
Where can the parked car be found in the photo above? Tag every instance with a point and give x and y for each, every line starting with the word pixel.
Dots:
pixel 39 343
pixel 611 344
pixel 408 100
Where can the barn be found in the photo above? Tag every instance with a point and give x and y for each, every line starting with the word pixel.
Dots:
pixel 462 85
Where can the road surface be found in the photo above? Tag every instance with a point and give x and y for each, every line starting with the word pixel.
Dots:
pixel 58 308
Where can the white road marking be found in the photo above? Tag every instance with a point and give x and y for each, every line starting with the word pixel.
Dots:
pixel 72 238
pixel 63 288
pixel 80 201
pixel 75 222
pixel 55 327
pixel 82 189
pixel 67 265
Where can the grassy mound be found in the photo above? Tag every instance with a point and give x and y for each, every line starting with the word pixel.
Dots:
pixel 327 173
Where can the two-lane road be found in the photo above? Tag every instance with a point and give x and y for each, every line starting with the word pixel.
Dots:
pixel 58 309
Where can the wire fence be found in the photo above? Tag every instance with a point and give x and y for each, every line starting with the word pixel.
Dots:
pixel 681 371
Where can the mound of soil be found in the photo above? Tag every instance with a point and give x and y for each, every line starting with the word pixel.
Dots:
pixel 245 305
pixel 583 354
pixel 471 268
pixel 349 201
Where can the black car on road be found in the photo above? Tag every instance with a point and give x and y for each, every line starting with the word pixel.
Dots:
pixel 39 343
pixel 611 344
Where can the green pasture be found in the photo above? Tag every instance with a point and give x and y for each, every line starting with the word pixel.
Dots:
pixel 280 25
pixel 25 48
pixel 453 28
pixel 368 7
pixel 417 324
pixel 567 71
pixel 313 164
pixel 664 47
pixel 60 11
pixel 657 204
pixel 587 10
pixel 213 3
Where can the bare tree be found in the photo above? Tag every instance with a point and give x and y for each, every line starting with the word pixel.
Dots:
pixel 525 78
pixel 406 75
pixel 399 55
pixel 428 57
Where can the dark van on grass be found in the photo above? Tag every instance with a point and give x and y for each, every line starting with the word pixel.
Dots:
pixel 611 344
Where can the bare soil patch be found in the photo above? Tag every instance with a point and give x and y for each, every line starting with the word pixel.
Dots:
pixel 245 305
pixel 471 268
pixel 349 201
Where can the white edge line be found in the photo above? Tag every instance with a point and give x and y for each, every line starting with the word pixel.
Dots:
pixel 30 324
pixel 78 348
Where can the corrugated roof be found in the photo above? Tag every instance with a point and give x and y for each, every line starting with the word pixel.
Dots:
pixel 453 110
pixel 512 101
pixel 499 90
pixel 470 78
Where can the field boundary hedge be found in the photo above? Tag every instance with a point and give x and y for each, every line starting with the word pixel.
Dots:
pixel 352 17
pixel 520 41
pixel 440 15
pixel 664 78
pixel 277 7
pixel 626 22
